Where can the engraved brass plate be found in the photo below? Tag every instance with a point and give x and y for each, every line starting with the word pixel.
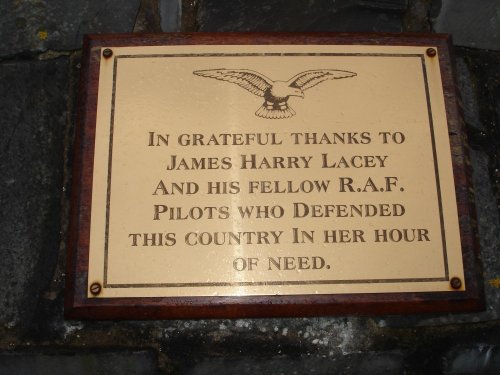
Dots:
pixel 246 170
pixel 253 175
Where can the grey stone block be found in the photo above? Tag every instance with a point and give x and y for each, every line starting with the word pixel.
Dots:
pixel 33 119
pixel 489 235
pixel 466 87
pixel 472 23
pixel 148 18
pixel 79 363
pixel 479 359
pixel 39 25
pixel 301 16
pixel 384 363
pixel 170 11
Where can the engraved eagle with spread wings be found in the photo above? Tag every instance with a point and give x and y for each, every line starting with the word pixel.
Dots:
pixel 275 93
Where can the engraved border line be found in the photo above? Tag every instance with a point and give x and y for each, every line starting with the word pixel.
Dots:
pixel 263 283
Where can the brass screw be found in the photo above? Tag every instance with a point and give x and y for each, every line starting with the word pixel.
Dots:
pixel 431 52
pixel 95 289
pixel 456 283
pixel 107 53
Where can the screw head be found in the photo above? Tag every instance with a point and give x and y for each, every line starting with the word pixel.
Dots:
pixel 456 283
pixel 431 52
pixel 95 289
pixel 107 53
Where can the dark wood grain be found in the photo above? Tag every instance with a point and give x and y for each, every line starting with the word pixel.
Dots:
pixel 77 305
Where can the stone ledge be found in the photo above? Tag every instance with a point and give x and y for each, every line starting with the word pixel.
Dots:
pixel 124 362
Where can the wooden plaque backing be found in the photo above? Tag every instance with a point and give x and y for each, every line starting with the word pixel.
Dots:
pixel 79 305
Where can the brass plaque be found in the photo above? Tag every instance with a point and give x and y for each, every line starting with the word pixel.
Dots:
pixel 240 170
pixel 239 175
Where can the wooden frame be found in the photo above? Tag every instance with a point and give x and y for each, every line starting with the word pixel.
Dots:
pixel 78 305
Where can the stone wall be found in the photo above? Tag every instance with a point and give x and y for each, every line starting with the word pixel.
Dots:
pixel 39 69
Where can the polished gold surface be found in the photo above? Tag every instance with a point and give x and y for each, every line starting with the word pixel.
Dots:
pixel 337 180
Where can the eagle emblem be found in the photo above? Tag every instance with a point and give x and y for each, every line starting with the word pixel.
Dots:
pixel 275 93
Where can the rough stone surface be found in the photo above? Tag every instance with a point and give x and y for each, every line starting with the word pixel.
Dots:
pixel 485 87
pixel 479 359
pixel 37 25
pixel 148 18
pixel 298 15
pixel 489 229
pixel 33 112
pixel 170 11
pixel 79 363
pixel 472 24
pixel 416 17
pixel 390 363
